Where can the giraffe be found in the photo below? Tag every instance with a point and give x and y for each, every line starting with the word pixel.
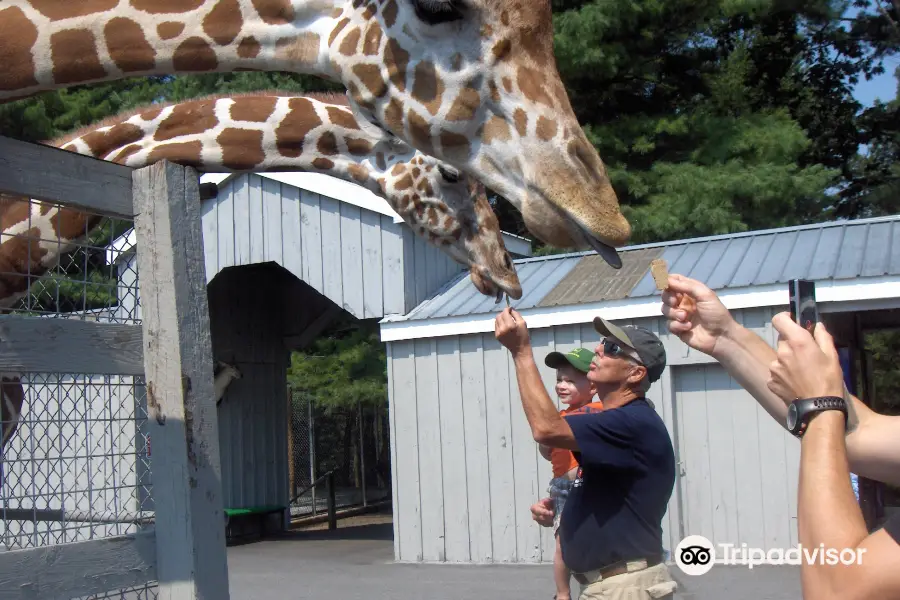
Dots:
pixel 473 83
pixel 258 131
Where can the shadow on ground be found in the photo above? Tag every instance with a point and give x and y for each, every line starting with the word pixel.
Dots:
pixel 356 562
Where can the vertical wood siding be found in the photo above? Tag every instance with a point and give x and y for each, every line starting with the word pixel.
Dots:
pixel 466 469
pixel 359 259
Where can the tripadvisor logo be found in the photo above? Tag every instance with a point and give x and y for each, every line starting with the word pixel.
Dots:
pixel 695 555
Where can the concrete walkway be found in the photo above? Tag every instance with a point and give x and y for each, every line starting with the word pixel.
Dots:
pixel 356 563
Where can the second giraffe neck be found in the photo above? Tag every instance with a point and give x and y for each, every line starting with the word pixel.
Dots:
pixel 54 44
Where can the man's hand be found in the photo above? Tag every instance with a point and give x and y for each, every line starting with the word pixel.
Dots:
pixel 699 324
pixel 511 331
pixel 542 512
pixel 807 366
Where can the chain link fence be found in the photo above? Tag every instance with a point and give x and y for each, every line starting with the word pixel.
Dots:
pixel 76 466
pixel 351 441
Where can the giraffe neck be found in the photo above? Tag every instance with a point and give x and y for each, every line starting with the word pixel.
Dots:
pixel 50 44
pixel 250 133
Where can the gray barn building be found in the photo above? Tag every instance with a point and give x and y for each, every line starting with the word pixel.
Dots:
pixel 464 463
pixel 285 254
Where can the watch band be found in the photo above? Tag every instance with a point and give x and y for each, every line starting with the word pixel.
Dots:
pixel 807 407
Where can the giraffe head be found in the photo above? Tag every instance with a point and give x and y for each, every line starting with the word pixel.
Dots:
pixel 451 210
pixel 475 84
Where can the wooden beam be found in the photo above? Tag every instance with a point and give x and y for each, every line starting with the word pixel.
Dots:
pixel 69 346
pixel 187 484
pixel 79 181
pixel 78 569
pixel 313 330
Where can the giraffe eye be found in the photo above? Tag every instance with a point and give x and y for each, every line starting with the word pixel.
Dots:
pixel 434 12
pixel 449 173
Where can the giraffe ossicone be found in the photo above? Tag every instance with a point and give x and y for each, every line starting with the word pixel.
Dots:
pixel 472 83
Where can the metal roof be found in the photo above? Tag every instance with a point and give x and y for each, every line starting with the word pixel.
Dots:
pixel 826 251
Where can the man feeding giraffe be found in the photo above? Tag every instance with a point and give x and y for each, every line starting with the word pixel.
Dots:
pixel 470 82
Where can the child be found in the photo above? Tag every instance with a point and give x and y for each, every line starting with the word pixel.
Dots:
pixel 574 390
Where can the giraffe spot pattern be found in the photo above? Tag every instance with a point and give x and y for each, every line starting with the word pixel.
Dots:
pixel 74 55
pixel 248 48
pixel 546 128
pixel 358 147
pixel 370 77
pixel 165 6
pixel 372 40
pixel 389 13
pixel 295 126
pixel 194 54
pixel 128 47
pixel 102 143
pixel 393 117
pixel 327 144
pixel 242 149
pixel 127 151
pixel 342 118
pixel 396 59
pixel 456 146
pixel 21 254
pixel 151 114
pixel 223 23
pixel 323 163
pixel 507 84
pixel 183 153
pixel 465 105
pixel 255 109
pixel 501 49
pixel 521 120
pixel 531 84
pixel 18 35
pixel 420 133
pixel 350 45
pixel 187 119
pixel 358 172
pixel 169 29
pixel 427 86
pixel 275 12
pixel 55 10
pixel 397 169
pixel 495 93
pixel 299 49
pixel 337 30
pixel 495 129
pixel 69 223
pixel 404 183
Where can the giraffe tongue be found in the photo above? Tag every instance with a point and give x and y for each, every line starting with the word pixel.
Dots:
pixel 606 252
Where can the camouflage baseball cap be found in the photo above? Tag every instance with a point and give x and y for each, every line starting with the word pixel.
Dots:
pixel 580 358
pixel 647 345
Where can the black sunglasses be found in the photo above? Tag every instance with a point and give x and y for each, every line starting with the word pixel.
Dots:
pixel 613 349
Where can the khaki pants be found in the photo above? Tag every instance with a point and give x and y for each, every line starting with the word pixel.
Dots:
pixel 654 583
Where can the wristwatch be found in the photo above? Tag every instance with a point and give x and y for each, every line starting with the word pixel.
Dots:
pixel 801 410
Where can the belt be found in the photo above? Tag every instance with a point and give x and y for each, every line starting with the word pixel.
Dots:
pixel 616 568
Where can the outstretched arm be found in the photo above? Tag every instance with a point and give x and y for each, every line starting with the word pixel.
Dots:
pixel 828 514
pixel 547 426
pixel 873 440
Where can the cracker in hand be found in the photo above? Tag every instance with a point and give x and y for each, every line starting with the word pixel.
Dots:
pixel 660 272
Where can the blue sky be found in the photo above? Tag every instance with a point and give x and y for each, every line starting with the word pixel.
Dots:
pixel 883 87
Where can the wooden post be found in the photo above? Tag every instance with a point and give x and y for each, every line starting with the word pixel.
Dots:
pixel 187 487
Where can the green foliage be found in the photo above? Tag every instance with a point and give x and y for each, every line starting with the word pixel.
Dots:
pixel 342 367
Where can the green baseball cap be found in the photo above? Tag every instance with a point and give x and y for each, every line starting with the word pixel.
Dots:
pixel 580 358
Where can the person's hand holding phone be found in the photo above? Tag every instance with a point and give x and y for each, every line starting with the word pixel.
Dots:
pixel 807 366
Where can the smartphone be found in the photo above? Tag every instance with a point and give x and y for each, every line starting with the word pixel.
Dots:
pixel 803 303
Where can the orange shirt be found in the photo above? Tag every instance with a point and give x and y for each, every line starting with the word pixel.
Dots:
pixel 562 459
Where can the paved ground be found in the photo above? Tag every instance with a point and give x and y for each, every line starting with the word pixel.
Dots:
pixel 356 563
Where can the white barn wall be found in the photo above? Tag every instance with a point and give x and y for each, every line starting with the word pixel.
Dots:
pixel 467 470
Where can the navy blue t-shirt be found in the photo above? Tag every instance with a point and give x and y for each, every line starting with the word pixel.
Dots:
pixel 627 471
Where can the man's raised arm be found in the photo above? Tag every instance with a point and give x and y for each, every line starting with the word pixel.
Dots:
pixel 873 440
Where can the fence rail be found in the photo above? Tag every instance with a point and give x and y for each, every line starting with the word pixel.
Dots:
pixel 164 364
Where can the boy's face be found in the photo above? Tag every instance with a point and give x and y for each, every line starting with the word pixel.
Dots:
pixel 573 387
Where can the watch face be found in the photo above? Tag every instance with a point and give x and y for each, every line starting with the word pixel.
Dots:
pixel 792 416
